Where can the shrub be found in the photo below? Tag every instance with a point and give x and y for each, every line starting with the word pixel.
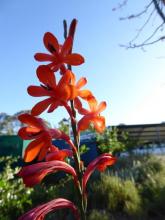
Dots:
pixel 96 215
pixel 153 195
pixel 137 167
pixel 15 199
pixel 116 196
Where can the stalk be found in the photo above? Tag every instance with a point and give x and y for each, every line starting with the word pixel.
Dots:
pixel 76 136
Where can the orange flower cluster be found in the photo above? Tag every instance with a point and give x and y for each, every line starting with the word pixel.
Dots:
pixel 67 93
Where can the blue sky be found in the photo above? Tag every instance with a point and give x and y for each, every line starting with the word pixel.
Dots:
pixel 131 81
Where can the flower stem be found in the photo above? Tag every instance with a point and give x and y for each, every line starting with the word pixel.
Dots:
pixel 83 201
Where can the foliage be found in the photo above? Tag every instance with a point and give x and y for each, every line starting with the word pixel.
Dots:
pixel 137 167
pixel 63 125
pixel 83 149
pixel 96 215
pixel 15 198
pixel 113 141
pixel 135 192
pixel 115 195
pixel 108 141
pixel 152 191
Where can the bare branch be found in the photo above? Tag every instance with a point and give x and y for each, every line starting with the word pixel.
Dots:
pixel 142 27
pixel 138 14
pixel 120 5
pixel 132 46
pixel 159 10
pixel 152 38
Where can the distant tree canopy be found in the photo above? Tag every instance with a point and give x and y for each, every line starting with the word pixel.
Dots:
pixel 9 124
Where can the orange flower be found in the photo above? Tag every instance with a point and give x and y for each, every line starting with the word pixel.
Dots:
pixel 92 115
pixel 57 154
pixel 58 94
pixel 41 211
pixel 41 134
pixel 85 93
pixel 60 54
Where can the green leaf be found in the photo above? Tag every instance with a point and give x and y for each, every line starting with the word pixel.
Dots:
pixel 83 149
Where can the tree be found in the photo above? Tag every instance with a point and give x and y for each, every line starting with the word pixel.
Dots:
pixel 9 124
pixel 108 142
pixel 63 125
pixel 115 141
pixel 149 12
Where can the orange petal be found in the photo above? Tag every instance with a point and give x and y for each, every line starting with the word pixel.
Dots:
pixel 85 94
pixel 99 123
pixel 30 120
pixel 74 59
pixel 64 93
pixel 53 106
pixel 46 76
pixel 41 106
pixel 77 103
pixel 73 78
pixel 58 155
pixel 42 153
pixel 101 107
pixel 43 57
pixel 78 106
pixel 83 124
pixel 55 68
pixel 37 91
pixel 62 69
pixel 65 79
pixel 81 82
pixel 92 104
pixel 26 133
pixel 72 92
pixel 66 46
pixel 103 166
pixel 33 149
pixel 51 42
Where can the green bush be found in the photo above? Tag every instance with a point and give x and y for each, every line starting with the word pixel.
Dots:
pixel 116 196
pixel 96 215
pixel 15 198
pixel 153 195
pixel 148 173
pixel 137 167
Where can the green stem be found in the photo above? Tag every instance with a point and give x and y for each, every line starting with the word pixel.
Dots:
pixel 78 164
pixel 77 160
